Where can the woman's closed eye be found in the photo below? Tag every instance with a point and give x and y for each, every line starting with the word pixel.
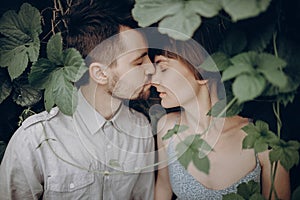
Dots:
pixel 162 65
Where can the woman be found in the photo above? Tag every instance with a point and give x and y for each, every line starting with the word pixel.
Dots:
pixel 179 83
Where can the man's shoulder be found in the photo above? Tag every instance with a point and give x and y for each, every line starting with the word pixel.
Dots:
pixel 40 117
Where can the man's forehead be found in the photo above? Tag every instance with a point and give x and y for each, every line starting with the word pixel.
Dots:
pixel 132 39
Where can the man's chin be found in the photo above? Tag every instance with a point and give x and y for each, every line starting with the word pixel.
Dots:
pixel 145 93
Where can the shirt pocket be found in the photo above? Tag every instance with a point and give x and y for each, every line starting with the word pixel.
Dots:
pixel 69 186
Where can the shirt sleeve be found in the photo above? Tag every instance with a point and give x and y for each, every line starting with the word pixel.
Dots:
pixel 20 175
pixel 144 187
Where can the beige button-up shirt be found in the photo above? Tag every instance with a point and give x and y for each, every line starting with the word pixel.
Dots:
pixel 54 156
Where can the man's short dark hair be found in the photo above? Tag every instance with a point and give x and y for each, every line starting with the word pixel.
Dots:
pixel 90 22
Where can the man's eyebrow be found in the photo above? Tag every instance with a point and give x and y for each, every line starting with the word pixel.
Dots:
pixel 141 56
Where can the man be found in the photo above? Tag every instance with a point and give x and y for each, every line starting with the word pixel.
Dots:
pixel 105 150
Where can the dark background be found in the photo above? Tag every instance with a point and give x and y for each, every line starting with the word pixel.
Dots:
pixel 9 111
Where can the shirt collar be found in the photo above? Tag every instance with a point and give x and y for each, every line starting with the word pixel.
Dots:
pixel 94 120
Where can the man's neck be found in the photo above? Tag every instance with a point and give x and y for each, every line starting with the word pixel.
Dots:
pixel 101 100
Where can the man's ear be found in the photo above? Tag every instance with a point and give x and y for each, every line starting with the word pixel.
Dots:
pixel 202 82
pixel 98 73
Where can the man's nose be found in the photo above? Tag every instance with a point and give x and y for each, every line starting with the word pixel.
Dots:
pixel 155 79
pixel 150 69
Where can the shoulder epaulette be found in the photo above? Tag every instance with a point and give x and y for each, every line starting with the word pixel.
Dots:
pixel 40 117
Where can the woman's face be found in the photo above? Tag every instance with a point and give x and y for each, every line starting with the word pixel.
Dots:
pixel 174 81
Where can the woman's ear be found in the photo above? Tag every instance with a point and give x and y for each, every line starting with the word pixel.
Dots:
pixel 202 82
pixel 98 73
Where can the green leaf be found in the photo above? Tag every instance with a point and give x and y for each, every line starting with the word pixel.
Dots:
pixel 236 70
pixel 74 65
pixel 247 87
pixel 143 10
pixel 205 8
pixel 21 42
pixel 185 154
pixel 232 196
pixel 246 58
pixel 258 136
pixel 202 164
pixel 180 26
pixel 271 67
pixel 30 19
pixel 18 65
pixel 40 73
pixel 5 85
pixel 65 94
pixel 286 153
pixel 239 9
pixel 176 129
pixel 54 49
pixel 26 96
pixel 216 62
pixel 195 149
pixel 246 190
pixel 234 42
pixel 49 98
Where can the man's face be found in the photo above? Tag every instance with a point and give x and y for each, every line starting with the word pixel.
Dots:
pixel 130 77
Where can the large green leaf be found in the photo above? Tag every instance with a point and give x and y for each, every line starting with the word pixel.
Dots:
pixel 41 72
pixel 21 42
pixel 235 70
pixel 5 85
pixel 65 94
pixel 205 8
pixel 54 49
pixel 241 9
pixel 182 24
pixel 216 62
pixel 271 67
pixel 26 96
pixel 74 65
pixel 247 87
pixel 57 78
pixel 179 19
pixel 285 152
pixel 148 12
pixel 194 149
pixel 258 136
pixel 246 190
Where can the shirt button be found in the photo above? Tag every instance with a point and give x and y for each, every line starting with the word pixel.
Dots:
pixel 72 185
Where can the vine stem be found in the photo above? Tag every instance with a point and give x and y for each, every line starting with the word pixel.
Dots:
pixel 276 110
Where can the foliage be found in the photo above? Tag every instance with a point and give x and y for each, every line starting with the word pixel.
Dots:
pixel 20 52
pixel 245 191
pixel 63 67
pixel 255 65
